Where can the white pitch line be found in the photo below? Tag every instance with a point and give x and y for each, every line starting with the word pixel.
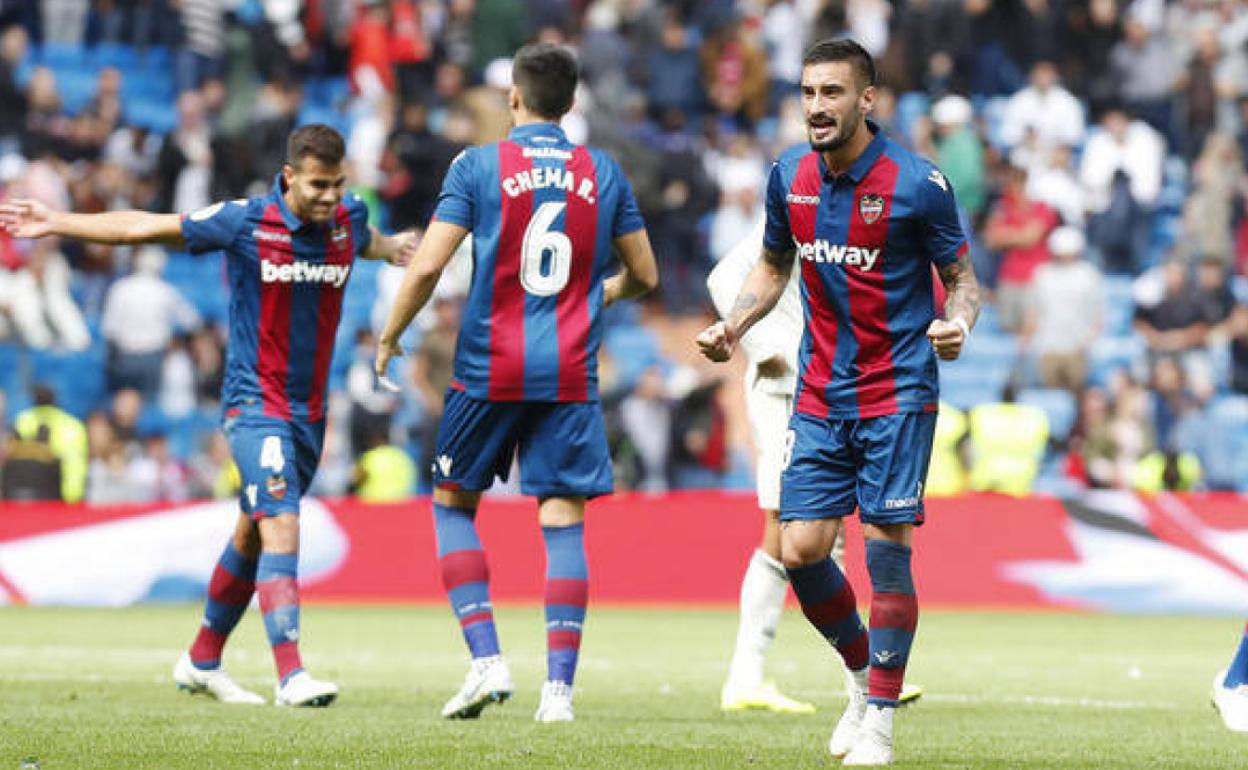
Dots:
pixel 1057 701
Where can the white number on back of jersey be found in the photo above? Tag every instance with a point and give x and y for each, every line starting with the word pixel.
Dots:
pixel 540 240
pixel 271 454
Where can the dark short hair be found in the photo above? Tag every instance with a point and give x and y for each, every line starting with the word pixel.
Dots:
pixel 846 50
pixel 546 76
pixel 318 141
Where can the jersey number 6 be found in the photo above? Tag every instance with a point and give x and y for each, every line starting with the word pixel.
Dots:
pixel 540 240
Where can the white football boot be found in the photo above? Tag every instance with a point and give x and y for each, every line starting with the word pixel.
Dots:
pixel 556 703
pixel 874 747
pixel 488 681
pixel 846 733
pixel 1231 703
pixel 214 681
pixel 302 690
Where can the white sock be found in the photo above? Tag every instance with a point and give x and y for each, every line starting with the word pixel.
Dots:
pixel 762 601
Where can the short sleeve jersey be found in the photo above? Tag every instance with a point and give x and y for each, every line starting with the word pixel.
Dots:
pixel 865 241
pixel 543 213
pixel 287 278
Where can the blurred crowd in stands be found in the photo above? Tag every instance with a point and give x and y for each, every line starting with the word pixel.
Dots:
pixel 1096 146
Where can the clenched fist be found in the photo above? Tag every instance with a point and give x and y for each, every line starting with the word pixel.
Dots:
pixel 716 342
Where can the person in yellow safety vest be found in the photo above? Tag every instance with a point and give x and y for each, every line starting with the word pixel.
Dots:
pixel 1008 441
pixel 1166 471
pixel 67 437
pixel 946 476
pixel 384 474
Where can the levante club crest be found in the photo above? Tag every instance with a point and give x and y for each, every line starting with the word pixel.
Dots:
pixel 871 207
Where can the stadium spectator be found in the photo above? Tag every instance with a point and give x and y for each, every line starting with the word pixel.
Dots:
pixel 176 398
pixel 371 67
pixel 1120 171
pixel 36 295
pixel 734 75
pixel 213 473
pixel 414 160
pixel 947 475
pixel 383 473
pixel 185 163
pixel 201 55
pixel 1143 65
pixel 672 71
pixel 13 43
pixel 1017 229
pixel 1007 444
pixel 372 409
pixel 158 477
pixel 432 372
pixel 1065 312
pixel 959 152
pixel 1237 327
pixel 738 173
pixel 1170 317
pixel 141 314
pixel 499 27
pixel 1199 90
pixel 64 21
pixel 1044 108
pixel 1218 185
pixel 1051 179
pixel 63 433
pixel 646 418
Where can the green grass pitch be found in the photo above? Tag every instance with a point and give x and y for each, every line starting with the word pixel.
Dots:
pixel 86 688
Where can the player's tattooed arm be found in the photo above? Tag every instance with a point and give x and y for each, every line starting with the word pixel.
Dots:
pixel 949 334
pixel 759 294
pixel 963 290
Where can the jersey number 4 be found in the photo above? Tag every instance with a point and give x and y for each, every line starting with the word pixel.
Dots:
pixel 541 242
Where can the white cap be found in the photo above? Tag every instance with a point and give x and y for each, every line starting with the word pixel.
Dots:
pixel 952 110
pixel 1066 240
pixel 498 73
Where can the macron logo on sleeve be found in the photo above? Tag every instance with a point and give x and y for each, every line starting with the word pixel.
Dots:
pixel 304 272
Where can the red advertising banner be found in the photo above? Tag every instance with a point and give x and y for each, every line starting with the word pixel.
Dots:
pixel 1105 551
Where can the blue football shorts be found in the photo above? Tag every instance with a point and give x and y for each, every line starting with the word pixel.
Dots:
pixel 877 465
pixel 276 460
pixel 562 446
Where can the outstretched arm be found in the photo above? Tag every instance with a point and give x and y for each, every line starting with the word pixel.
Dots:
pixel 759 294
pixel 435 251
pixel 397 249
pixel 640 273
pixel 948 335
pixel 31 219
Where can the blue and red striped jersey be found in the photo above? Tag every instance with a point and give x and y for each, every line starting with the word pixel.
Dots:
pixel 287 278
pixel 865 241
pixel 543 213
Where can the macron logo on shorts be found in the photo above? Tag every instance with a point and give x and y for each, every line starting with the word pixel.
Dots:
pixel 304 272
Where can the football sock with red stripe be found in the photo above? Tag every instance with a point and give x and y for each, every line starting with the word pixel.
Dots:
pixel 567 595
pixel 466 577
pixel 277 584
pixel 1237 674
pixel 894 616
pixel 229 592
pixel 828 602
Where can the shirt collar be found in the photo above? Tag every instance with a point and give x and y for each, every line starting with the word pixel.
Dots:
pixel 531 131
pixel 859 168
pixel 291 221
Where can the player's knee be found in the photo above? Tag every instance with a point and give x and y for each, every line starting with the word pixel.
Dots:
pixel 280 534
pixel 795 553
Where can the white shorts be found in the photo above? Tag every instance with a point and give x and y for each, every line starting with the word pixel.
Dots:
pixel 769 421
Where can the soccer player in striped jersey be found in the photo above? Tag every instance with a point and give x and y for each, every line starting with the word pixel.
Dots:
pixel 544 215
pixel 771 347
pixel 288 256
pixel 867 219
